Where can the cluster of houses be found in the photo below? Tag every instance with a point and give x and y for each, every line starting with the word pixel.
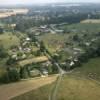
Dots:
pixel 78 53
pixel 20 55
pixel 46 29
pixel 44 70
pixel 41 70
pixel 72 60
pixel 21 51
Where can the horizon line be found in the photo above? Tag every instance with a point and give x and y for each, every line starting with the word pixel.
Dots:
pixel 86 2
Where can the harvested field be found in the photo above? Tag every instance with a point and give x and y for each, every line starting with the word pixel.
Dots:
pixel 15 89
pixel 33 60
pixel 10 12
pixel 91 21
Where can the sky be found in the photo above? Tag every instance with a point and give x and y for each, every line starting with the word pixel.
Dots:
pixel 6 2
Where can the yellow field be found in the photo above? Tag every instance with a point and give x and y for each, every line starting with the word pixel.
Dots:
pixel 73 88
pixel 15 89
pixel 70 88
pixel 33 60
pixel 91 21
pixel 13 12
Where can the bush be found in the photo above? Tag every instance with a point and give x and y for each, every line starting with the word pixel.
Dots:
pixel 10 61
pixel 24 73
pixel 4 78
pixel 55 69
pixel 3 52
pixel 10 75
pixel 13 75
pixel 83 57
pixel 1 31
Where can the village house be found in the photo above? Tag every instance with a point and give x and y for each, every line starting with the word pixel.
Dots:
pixel 27 39
pixel 45 72
pixel 59 31
pixel 35 73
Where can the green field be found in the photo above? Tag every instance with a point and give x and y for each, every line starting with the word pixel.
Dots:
pixel 83 27
pixel 54 41
pixel 74 86
pixel 90 69
pixel 8 40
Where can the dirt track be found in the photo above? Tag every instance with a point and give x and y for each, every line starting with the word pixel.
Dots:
pixel 12 90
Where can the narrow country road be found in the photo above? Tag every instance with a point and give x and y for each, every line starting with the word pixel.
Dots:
pixel 12 90
pixel 53 94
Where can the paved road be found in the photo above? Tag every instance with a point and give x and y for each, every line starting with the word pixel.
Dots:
pixel 9 91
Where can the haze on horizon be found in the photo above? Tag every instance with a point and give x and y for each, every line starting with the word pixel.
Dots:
pixel 14 2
